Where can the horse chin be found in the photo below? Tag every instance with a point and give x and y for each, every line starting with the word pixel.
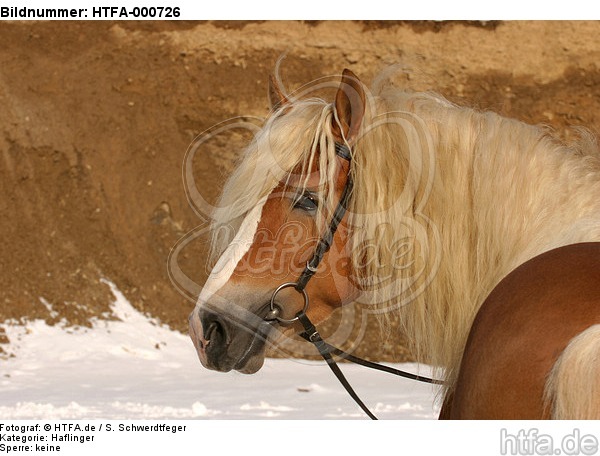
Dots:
pixel 253 358
pixel 252 366
pixel 249 363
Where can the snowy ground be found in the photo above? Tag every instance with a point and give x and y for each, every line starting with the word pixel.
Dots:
pixel 136 369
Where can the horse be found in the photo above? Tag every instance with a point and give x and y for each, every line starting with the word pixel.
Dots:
pixel 479 231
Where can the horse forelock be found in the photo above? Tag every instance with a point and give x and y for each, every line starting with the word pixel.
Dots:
pixel 294 143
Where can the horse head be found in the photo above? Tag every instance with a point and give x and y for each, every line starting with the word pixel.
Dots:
pixel 280 202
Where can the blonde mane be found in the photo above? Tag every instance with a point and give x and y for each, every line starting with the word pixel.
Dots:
pixel 446 201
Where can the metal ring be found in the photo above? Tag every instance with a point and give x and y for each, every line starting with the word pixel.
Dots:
pixel 281 287
pixel 310 268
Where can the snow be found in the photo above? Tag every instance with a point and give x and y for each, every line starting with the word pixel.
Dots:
pixel 135 368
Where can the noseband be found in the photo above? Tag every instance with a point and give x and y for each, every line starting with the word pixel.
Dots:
pixel 310 331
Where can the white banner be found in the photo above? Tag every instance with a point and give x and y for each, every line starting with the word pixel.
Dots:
pixel 306 10
pixel 102 437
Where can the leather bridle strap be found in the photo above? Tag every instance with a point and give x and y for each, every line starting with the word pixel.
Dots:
pixel 371 365
pixel 311 334
pixel 325 242
pixel 338 214
pixel 310 331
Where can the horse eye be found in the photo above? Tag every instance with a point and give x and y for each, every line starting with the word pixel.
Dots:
pixel 306 202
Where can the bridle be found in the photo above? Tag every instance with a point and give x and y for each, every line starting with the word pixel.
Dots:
pixel 310 331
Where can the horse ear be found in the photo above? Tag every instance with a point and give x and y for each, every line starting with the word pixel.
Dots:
pixel 349 107
pixel 276 96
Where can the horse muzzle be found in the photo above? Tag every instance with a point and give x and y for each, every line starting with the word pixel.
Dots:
pixel 224 345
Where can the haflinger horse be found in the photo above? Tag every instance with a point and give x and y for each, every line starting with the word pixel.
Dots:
pixel 481 232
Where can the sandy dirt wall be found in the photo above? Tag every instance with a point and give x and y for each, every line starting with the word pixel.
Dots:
pixel 96 117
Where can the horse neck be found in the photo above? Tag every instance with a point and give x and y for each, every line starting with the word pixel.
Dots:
pixel 506 193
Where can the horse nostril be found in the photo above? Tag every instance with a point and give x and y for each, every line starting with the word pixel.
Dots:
pixel 212 335
pixel 214 326
pixel 215 333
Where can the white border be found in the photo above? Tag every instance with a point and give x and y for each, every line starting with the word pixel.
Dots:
pixel 346 10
